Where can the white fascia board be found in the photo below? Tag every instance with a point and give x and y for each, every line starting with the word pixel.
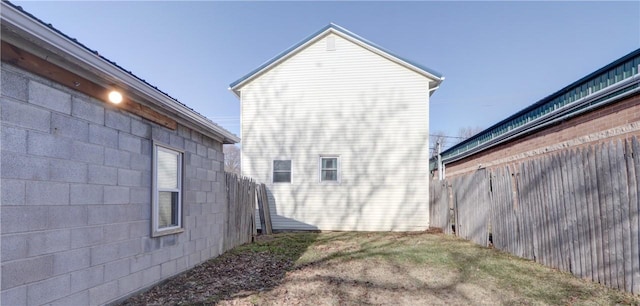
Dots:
pixel 78 54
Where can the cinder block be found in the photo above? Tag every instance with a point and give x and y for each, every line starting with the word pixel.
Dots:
pixel 48 242
pixel 19 272
pixel 201 174
pixel 139 229
pixel 184 132
pixel 116 269
pixel 67 216
pixel 168 268
pixel 176 141
pixel 68 171
pixel 146 179
pixel 48 290
pixel 201 150
pixel 146 147
pixel 69 261
pixel 129 178
pixel 151 244
pixel 67 126
pixel 129 248
pixel 87 236
pixel 141 195
pixel 87 278
pixel 48 145
pixel 104 253
pixel 193 160
pixel 140 128
pixel 194 259
pixel 86 152
pixel 14 139
pixel 129 143
pixel 182 264
pixel 129 283
pixel 49 97
pixel 160 256
pixel 116 195
pixel 140 262
pixel 104 214
pixel 103 136
pixel 117 158
pixel 47 193
pixel 87 110
pixel 207 164
pixel 160 134
pixel 190 146
pixel 14 246
pixel 141 162
pixel 14 296
pixel 150 275
pixel 82 194
pixel 103 293
pixel 117 120
pixel 26 116
pixel 23 218
pixel 102 175
pixel 80 298
pixel 176 252
pixel 13 192
pixel 116 232
pixel 195 136
pixel 14 85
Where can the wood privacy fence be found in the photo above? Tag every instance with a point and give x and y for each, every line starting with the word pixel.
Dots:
pixel 576 211
pixel 241 202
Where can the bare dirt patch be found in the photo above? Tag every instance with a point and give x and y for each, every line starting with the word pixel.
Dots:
pixel 374 269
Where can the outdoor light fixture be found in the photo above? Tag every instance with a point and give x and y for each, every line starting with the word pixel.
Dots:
pixel 115 97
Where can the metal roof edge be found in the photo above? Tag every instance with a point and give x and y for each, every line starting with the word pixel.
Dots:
pixel 80 53
pixel 546 99
pixel 438 77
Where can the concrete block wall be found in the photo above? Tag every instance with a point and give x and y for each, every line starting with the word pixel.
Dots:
pixel 76 197
pixel 616 121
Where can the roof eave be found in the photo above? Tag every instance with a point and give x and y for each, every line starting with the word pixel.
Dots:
pixel 79 55
pixel 236 86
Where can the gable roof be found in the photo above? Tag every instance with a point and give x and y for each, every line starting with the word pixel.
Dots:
pixel 344 33
pixel 45 35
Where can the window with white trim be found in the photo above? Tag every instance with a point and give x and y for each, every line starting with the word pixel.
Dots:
pixel 167 190
pixel 329 171
pixel 282 171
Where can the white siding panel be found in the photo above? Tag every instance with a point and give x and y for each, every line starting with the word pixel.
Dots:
pixel 350 102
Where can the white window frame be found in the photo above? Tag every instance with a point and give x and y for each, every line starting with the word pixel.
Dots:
pixel 338 174
pixel 273 171
pixel 155 211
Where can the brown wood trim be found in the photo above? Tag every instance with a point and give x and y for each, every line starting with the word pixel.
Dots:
pixel 34 64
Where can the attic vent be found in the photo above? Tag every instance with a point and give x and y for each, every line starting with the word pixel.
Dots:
pixel 331 43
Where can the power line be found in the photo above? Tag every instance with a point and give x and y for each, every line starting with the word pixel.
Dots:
pixel 445 136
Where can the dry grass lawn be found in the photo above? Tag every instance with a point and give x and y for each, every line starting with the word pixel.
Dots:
pixel 342 268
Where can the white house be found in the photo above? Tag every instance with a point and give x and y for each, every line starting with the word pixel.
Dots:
pixel 338 129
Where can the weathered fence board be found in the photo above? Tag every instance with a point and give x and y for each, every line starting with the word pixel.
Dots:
pixel 575 210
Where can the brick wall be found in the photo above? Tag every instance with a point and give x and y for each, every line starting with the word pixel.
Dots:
pixel 616 121
pixel 76 197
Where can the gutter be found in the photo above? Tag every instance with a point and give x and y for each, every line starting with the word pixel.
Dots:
pixel 42 33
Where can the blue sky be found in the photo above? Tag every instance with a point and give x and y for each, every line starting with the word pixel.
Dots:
pixel 497 57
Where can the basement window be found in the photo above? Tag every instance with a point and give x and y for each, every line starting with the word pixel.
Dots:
pixel 167 190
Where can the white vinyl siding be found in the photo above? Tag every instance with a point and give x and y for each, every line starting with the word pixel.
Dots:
pixel 350 102
pixel 167 190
